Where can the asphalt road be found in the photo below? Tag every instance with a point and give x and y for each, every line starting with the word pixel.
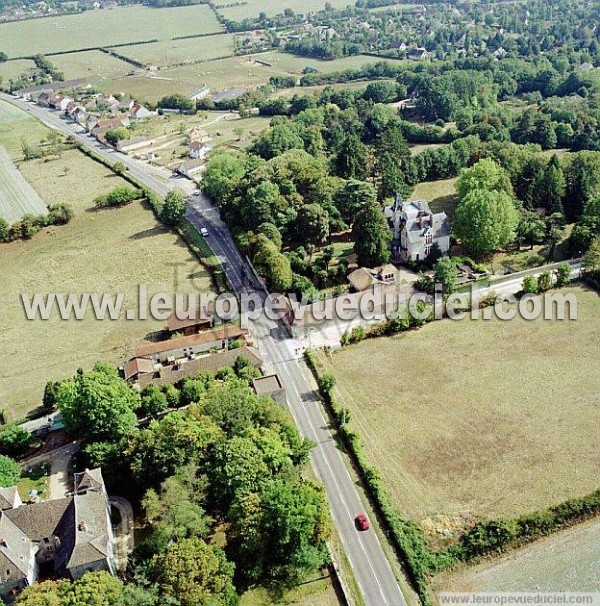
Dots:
pixel 370 566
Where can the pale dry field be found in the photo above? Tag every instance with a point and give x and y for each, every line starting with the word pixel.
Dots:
pixel 475 419
pixel 90 64
pixel 565 561
pixel 112 250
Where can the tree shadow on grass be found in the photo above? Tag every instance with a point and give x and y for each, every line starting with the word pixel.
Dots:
pixel 158 230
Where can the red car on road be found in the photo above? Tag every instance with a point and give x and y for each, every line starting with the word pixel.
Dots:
pixel 362 522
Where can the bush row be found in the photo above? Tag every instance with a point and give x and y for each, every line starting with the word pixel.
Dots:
pixel 408 539
pixel 29 225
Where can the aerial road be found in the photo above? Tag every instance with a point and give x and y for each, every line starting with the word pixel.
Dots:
pixel 372 571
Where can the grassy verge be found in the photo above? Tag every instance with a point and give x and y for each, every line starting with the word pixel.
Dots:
pixel 208 259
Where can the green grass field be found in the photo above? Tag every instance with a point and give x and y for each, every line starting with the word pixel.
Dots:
pixel 441 195
pixel 252 8
pixel 174 52
pixel 12 70
pixel 476 419
pixel 90 64
pixel 104 28
pixel 15 127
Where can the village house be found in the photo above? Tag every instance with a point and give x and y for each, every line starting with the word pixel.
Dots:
pixel 198 150
pixel 59 102
pixel 211 364
pixel 418 54
pixel 415 229
pixel 198 319
pixel 271 387
pixel 64 537
pixel 186 347
pixel 139 112
pixel 189 168
pixel 364 278
pixel 101 127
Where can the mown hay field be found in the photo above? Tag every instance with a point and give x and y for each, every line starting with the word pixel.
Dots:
pixel 12 70
pixel 94 65
pixel 17 197
pixel 565 561
pixel 174 52
pixel 104 28
pixel 231 72
pixel 477 419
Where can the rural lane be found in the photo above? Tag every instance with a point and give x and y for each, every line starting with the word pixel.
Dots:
pixel 370 566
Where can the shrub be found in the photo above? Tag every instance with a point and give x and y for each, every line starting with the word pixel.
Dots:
pixel 120 196
pixel 545 281
pixel 563 274
pixel 530 285
pixel 10 471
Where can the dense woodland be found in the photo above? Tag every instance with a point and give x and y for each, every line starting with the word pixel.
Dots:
pixel 222 482
pixel 329 164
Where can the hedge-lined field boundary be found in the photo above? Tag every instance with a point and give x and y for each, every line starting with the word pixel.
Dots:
pixel 485 539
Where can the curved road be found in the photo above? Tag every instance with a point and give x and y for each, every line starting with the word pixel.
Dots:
pixel 370 566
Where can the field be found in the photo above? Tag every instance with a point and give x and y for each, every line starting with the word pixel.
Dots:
pixel 17 197
pixel 478 419
pixel 566 561
pixel 126 243
pixel 441 195
pixel 11 70
pixel 174 52
pixel 231 72
pixel 252 8
pixel 16 127
pixel 93 29
pixel 90 64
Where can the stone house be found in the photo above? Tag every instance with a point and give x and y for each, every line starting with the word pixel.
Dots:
pixel 415 229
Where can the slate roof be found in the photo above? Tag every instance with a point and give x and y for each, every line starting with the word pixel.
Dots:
pixel 9 498
pixel 78 524
pixel 15 551
pixel 211 364
pixel 39 520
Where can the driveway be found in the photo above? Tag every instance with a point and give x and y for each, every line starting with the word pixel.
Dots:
pixel 123 531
